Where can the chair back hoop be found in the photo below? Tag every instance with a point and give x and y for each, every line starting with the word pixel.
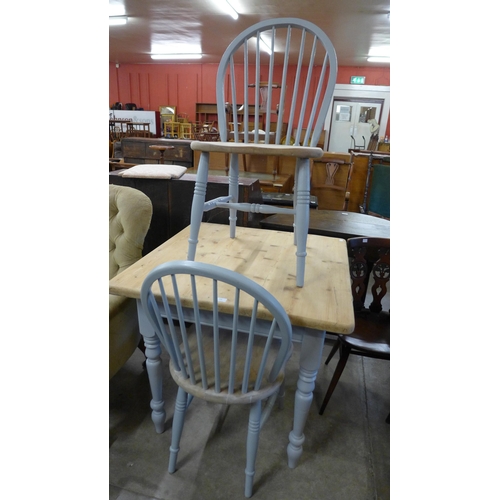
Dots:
pixel 369 256
pixel 259 61
pixel 231 305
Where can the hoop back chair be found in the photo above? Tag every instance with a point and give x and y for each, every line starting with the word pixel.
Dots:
pixel 234 352
pixel 371 335
pixel 296 60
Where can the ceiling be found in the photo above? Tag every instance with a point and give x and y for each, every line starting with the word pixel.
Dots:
pixel 356 27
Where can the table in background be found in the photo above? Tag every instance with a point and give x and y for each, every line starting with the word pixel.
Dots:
pixel 323 304
pixel 334 223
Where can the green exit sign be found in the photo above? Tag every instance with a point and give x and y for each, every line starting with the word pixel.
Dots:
pixel 358 80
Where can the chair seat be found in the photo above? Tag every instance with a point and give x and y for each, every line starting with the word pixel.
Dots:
pixel 259 148
pixel 371 333
pixel 223 397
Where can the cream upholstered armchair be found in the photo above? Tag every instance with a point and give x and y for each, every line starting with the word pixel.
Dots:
pixel 130 213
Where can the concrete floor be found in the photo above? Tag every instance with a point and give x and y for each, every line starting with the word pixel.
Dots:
pixel 346 451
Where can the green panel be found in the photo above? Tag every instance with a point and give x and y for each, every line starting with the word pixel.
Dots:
pixel 380 191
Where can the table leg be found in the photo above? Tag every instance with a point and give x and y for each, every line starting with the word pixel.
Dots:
pixel 310 359
pixel 154 368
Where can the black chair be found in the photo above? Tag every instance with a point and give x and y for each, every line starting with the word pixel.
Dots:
pixel 368 257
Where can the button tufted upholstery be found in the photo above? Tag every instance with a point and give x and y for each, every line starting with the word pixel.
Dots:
pixel 130 213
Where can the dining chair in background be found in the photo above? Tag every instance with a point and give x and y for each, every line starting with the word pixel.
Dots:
pixel 228 339
pixel 257 70
pixel 368 257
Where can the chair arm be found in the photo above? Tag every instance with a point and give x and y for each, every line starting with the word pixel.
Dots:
pixel 257 149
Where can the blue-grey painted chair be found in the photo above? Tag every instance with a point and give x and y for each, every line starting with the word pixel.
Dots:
pixel 297 60
pixel 228 340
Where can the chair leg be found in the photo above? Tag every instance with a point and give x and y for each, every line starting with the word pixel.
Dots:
pixel 333 351
pixel 252 445
pixel 281 396
pixel 177 426
pixel 200 191
pixel 233 192
pixel 301 217
pixel 344 354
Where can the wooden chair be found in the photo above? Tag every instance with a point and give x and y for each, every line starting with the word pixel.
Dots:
pixel 224 357
pixel 371 336
pixel 306 89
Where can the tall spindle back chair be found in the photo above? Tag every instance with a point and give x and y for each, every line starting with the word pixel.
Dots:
pixel 228 340
pixel 281 73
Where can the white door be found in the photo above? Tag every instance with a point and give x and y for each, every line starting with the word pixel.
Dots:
pixel 348 124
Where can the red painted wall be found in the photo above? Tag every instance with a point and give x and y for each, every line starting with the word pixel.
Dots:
pixel 183 85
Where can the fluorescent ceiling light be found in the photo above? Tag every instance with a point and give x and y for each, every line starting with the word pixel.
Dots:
pixel 176 56
pixel 117 20
pixel 230 10
pixel 379 59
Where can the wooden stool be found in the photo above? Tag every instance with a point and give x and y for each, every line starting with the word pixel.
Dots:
pixel 162 150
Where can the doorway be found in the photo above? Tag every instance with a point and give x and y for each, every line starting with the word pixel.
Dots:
pixel 350 111
pixel 350 125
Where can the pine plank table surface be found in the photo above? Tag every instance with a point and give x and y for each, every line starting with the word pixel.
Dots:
pixel 267 257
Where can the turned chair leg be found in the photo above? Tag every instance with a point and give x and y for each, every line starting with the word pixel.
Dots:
pixel 177 426
pixel 252 445
pixel 344 354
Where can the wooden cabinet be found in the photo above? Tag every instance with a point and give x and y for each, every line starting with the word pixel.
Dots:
pixel 137 150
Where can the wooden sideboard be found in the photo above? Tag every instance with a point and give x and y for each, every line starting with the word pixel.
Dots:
pixel 136 150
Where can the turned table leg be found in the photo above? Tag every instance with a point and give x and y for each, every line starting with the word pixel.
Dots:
pixel 310 359
pixel 155 372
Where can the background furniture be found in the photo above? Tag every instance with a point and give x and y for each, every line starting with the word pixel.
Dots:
pixel 361 185
pixel 129 218
pixel 333 223
pixel 138 129
pixel 172 200
pixel 378 200
pixel 151 117
pixel 329 179
pixel 286 31
pixel 223 357
pixel 323 304
pixel 136 150
pixel 258 167
pixel 161 149
pixel 371 336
